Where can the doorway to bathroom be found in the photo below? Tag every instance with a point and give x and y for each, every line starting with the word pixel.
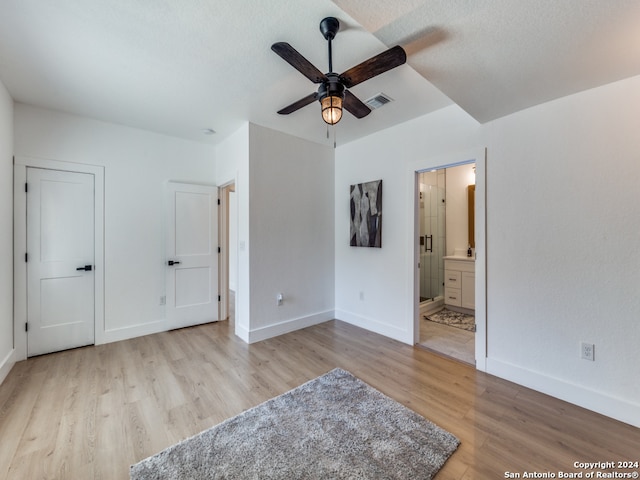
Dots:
pixel 446 261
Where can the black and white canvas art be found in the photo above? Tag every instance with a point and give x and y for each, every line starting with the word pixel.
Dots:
pixel 366 214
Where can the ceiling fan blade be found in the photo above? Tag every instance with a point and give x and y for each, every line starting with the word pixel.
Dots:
pixel 354 106
pixel 382 62
pixel 297 61
pixel 303 102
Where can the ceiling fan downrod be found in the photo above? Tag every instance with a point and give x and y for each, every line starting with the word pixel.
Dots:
pixel 329 28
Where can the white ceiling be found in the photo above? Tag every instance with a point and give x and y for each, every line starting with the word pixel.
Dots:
pixel 180 66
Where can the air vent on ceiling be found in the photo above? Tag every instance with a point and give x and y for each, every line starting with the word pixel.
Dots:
pixel 378 101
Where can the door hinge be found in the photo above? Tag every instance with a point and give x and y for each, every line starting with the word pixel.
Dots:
pixel 219 298
pixel 26 257
pixel 26 327
pixel 218 201
pixel 26 187
pixel 218 249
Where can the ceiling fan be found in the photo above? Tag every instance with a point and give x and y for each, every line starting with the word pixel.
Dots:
pixel 333 92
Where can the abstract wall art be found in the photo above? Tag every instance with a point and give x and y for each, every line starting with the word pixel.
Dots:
pixel 366 214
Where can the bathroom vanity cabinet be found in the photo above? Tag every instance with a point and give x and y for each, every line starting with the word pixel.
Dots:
pixel 460 282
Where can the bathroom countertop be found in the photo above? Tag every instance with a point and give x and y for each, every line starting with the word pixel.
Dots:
pixel 458 257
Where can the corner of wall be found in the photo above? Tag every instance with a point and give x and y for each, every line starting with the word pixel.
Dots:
pixel 6 232
pixel 7 364
pixel 291 325
pixel 375 326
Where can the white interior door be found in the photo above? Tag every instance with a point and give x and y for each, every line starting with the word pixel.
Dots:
pixel 192 254
pixel 60 265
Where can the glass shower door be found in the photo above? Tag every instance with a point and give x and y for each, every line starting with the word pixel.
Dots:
pixel 432 234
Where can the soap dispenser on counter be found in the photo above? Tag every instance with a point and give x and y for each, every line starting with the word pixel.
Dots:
pixel 469 252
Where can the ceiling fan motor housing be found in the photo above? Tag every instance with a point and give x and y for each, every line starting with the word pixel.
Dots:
pixel 331 88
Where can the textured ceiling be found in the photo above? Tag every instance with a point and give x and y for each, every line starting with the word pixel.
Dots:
pixel 496 57
pixel 180 66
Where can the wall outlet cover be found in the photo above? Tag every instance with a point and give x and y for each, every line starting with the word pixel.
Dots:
pixel 587 351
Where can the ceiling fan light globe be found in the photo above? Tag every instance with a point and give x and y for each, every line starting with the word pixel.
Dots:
pixel 331 109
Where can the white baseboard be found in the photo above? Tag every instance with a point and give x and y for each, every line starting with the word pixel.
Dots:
pixel 132 331
pixel 599 402
pixel 427 308
pixel 7 364
pixel 287 326
pixel 390 331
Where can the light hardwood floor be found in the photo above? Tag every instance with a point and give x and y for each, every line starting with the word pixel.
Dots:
pixel 91 412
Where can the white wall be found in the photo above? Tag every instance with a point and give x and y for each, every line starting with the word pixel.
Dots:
pixel 372 287
pixel 563 234
pixel 137 164
pixel 292 231
pixel 563 226
pixel 285 229
pixel 458 179
pixel 231 154
pixel 232 165
pixel 233 241
pixel 6 232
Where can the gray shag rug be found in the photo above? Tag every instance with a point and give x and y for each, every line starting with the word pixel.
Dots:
pixel 333 427
pixel 453 319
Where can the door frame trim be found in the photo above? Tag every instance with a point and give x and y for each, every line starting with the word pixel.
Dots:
pixel 223 239
pixel 479 157
pixel 21 163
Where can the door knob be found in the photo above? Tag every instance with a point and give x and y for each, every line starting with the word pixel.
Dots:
pixel 172 262
pixel 86 268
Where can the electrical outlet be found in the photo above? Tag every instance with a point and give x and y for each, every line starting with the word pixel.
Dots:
pixel 279 299
pixel 587 351
pixel 163 300
pixel 361 296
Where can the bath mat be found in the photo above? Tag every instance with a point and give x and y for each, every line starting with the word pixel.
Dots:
pixel 454 319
